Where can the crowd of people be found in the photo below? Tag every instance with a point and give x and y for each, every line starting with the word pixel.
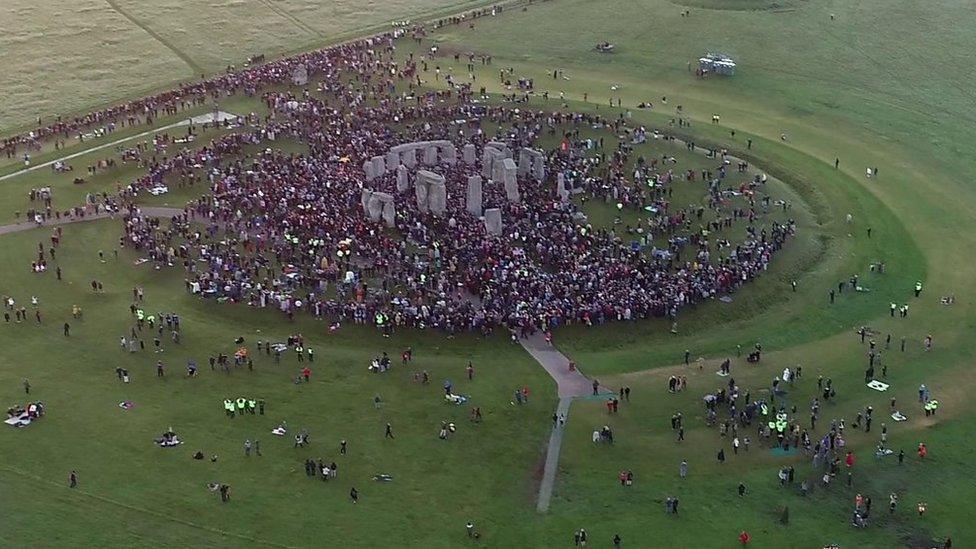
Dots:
pixel 288 230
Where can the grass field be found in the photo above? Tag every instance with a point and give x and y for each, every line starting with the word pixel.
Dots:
pixel 879 84
pixel 64 57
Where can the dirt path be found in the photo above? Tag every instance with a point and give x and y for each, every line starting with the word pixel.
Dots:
pixel 28 225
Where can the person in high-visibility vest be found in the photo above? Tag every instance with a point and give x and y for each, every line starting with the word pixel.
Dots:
pixel 241 403
pixel 251 404
pixel 229 407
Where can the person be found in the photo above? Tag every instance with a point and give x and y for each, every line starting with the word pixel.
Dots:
pixel 469 527
pixel 354 495
pixel 73 479
pixel 922 450
pixel 247 447
pixel 389 431
pixel 744 537
pixel 27 386
pixel 721 456
pixel 742 489
pixel 683 469
pixel 67 329
pixel 342 447
pixel 616 541
pixel 224 493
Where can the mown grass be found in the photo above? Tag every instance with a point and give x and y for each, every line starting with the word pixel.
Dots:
pixel 879 85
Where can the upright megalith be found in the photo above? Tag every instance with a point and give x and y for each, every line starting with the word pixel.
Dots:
pixel 474 197
pixel 493 221
pixel 510 179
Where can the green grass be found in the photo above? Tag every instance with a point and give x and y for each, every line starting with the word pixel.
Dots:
pixel 880 85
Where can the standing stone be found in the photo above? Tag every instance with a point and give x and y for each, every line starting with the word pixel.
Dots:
pixel 408 156
pixel 379 166
pixel 493 221
pixel 524 161
pixel 383 202
pixel 299 75
pixel 375 209
pixel 392 159
pixel 369 171
pixel 431 191
pixel 402 178
pixel 421 188
pixel 468 154
pixel 449 153
pixel 364 200
pixel 510 179
pixel 389 214
pixel 437 196
pixel 488 163
pixel 474 195
pixel 430 155
pixel 561 187
pixel 539 168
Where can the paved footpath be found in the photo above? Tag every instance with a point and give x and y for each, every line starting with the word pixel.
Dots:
pixel 571 384
pixel 29 225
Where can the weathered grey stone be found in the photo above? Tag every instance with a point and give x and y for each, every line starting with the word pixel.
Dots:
pixel 561 187
pixel 474 197
pixel 469 155
pixel 369 171
pixel 364 200
pixel 524 162
pixel 430 155
pixel 384 202
pixel 389 214
pixel 408 157
pixel 374 206
pixel 510 179
pixel 488 157
pixel 493 221
pixel 539 168
pixel 437 197
pixel 379 166
pixel 449 153
pixel 392 159
pixel 431 192
pixel 421 187
pixel 500 147
pixel 402 178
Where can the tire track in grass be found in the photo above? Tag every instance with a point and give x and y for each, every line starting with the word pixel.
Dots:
pixel 197 69
pixel 293 18
pixel 81 493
